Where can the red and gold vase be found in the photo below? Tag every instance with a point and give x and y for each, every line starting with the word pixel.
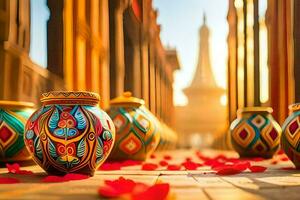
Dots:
pixel 69 133
pixel 137 129
pixel 290 139
pixel 13 117
pixel 255 133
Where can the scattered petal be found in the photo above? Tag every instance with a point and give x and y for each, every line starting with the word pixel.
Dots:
pixel 53 179
pixel 257 169
pixel 168 157
pixel 188 159
pixel 274 162
pixel 163 163
pixel 242 166
pixel 280 152
pixel 74 177
pixel 158 192
pixel 174 167
pixel 117 187
pixel 110 166
pixel 149 166
pixel 189 165
pixel 133 190
pixel 257 159
pixel 285 159
pixel 127 163
pixel 153 156
pixel 15 169
pixel 228 171
pixel 8 180
pixel 67 177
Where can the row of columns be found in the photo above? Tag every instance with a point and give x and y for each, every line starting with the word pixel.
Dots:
pixel 138 61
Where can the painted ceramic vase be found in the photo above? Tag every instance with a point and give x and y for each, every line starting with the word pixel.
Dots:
pixel 13 117
pixel 69 133
pixel 291 135
pixel 255 133
pixel 137 130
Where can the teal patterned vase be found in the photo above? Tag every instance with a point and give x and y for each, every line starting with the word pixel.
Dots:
pixel 255 133
pixel 290 139
pixel 13 116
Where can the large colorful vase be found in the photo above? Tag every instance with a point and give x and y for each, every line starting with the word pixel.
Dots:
pixel 13 116
pixel 69 133
pixel 255 132
pixel 137 130
pixel 290 139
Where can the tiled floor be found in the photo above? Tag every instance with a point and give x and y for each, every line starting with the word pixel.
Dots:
pixel 275 183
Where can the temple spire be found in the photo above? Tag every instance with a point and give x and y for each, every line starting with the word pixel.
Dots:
pixel 203 76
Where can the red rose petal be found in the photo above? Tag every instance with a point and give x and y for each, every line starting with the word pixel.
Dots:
pixel 149 166
pixel 24 172
pixel 53 179
pixel 257 159
pixel 189 165
pixel 163 163
pixel 221 166
pixel 174 167
pixel 168 157
pixel 121 185
pixel 228 171
pixel 153 156
pixel 110 166
pixel 257 169
pixel 280 152
pixel 274 162
pixel 285 159
pixel 242 166
pixel 73 177
pixel 7 180
pixel 15 169
pixel 127 163
pixel 67 177
pixel 109 192
pixel 188 159
pixel 157 192
pixel 134 190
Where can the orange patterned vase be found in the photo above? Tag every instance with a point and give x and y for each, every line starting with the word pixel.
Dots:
pixel 255 133
pixel 291 135
pixel 137 130
pixel 69 133
pixel 13 116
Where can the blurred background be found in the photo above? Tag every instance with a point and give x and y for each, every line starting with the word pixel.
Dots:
pixel 193 62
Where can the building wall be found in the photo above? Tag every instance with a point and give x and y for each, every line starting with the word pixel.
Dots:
pixel 20 78
pixel 106 46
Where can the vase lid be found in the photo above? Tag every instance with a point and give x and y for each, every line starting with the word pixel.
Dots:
pixel 15 104
pixel 294 107
pixel 126 99
pixel 70 98
pixel 255 109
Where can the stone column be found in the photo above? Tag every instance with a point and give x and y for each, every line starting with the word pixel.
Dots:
pixel 117 65
pixel 55 31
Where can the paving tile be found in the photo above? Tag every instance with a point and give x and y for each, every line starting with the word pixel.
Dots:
pixel 231 194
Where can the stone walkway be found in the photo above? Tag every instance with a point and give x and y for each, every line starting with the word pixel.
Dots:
pixel 274 183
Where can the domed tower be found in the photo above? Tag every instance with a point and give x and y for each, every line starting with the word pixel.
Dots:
pixel 204 116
